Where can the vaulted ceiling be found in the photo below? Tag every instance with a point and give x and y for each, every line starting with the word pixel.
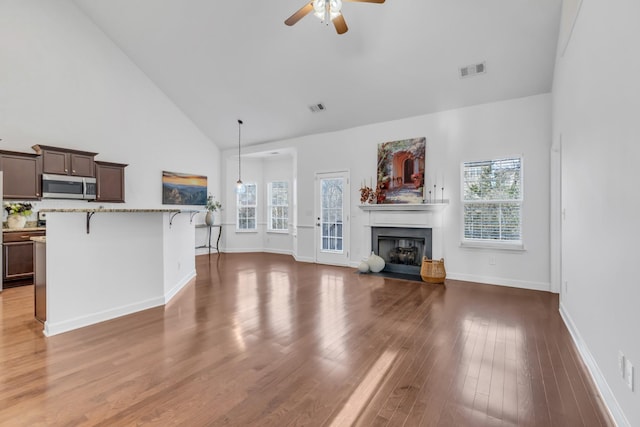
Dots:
pixel 223 60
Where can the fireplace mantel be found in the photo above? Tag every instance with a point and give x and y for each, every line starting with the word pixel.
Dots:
pixel 434 207
pixel 422 215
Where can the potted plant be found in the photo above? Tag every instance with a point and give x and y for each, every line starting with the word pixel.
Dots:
pixel 18 213
pixel 212 206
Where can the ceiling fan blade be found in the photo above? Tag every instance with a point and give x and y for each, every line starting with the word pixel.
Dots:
pixel 340 24
pixel 301 13
pixel 365 1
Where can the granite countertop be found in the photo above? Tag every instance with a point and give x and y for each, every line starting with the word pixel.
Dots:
pixel 10 230
pixel 39 239
pixel 112 210
pixel 29 226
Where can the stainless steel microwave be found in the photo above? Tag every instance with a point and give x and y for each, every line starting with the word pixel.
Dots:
pixel 68 187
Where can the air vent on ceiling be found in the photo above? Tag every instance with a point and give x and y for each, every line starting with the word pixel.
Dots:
pixel 316 108
pixel 472 70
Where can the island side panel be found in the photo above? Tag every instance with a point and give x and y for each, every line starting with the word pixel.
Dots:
pixel 179 253
pixel 115 270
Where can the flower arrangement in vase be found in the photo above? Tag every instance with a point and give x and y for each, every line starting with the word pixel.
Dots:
pixel 17 214
pixel 367 195
pixel 212 206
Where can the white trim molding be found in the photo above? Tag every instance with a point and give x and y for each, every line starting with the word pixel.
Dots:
pixel 188 279
pixel 599 380
pixel 93 318
pixel 500 281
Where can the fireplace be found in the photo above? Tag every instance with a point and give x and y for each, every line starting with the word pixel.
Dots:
pixel 402 248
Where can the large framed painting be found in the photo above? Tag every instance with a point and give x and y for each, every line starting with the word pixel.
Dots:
pixel 183 189
pixel 401 171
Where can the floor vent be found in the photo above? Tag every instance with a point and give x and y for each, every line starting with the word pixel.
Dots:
pixel 472 70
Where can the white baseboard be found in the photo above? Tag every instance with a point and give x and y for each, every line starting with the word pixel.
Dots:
pixel 242 250
pixel 205 251
pixel 93 318
pixel 178 286
pixel 279 251
pixel 607 395
pixel 269 251
pixel 501 281
pixel 82 321
pixel 303 259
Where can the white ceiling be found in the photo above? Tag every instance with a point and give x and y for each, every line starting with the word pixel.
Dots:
pixel 224 60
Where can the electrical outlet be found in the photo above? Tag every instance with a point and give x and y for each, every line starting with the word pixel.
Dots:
pixel 492 260
pixel 566 287
pixel 621 363
pixel 628 373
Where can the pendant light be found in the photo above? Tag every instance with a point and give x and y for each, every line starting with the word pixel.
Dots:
pixel 240 188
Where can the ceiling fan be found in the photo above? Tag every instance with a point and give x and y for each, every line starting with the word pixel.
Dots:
pixel 326 10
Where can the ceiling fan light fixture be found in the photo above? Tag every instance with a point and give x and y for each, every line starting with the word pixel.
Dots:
pixel 327 10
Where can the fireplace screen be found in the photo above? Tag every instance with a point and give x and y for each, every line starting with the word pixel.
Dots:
pixel 401 248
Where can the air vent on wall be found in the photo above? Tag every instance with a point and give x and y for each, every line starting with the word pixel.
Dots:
pixel 472 70
pixel 316 108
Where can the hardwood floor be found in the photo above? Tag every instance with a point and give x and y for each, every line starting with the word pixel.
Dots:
pixel 262 340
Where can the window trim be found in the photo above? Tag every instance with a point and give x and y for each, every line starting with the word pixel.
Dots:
pixel 507 245
pixel 255 206
pixel 270 206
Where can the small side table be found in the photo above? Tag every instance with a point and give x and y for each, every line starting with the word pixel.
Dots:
pixel 209 232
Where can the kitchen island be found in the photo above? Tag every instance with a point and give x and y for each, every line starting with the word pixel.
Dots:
pixel 106 263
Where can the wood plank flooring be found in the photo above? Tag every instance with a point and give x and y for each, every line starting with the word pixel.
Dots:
pixel 262 340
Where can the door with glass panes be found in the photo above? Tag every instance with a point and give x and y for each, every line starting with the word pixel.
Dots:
pixel 332 218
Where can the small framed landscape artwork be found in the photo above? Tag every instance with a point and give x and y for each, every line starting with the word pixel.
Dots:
pixel 183 189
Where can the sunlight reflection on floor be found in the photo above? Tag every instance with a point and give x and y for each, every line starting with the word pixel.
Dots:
pixel 365 390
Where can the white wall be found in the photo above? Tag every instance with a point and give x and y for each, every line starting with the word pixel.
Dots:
pixel 515 127
pixel 596 106
pixel 278 169
pixel 64 83
pixel 259 169
pixel 242 241
pixel 178 260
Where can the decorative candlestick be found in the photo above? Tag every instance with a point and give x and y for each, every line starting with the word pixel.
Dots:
pixel 442 195
pixel 429 196
pixel 435 194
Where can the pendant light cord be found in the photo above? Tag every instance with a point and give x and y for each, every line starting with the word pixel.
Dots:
pixel 239 162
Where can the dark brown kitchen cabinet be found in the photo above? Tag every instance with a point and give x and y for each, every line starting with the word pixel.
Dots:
pixel 110 182
pixel 63 161
pixel 21 178
pixel 17 257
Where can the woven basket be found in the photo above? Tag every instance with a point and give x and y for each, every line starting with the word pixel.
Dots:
pixel 432 270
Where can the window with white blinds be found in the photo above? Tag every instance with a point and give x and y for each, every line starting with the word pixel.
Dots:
pixel 278 193
pixel 492 201
pixel 247 203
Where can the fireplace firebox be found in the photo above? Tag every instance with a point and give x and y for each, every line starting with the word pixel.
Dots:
pixel 402 248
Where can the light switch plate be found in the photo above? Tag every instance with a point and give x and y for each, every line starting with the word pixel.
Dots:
pixel 628 373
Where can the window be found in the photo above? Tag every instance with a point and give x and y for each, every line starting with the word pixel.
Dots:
pixel 492 201
pixel 278 206
pixel 247 203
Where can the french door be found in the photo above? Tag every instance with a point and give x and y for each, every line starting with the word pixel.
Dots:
pixel 332 218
